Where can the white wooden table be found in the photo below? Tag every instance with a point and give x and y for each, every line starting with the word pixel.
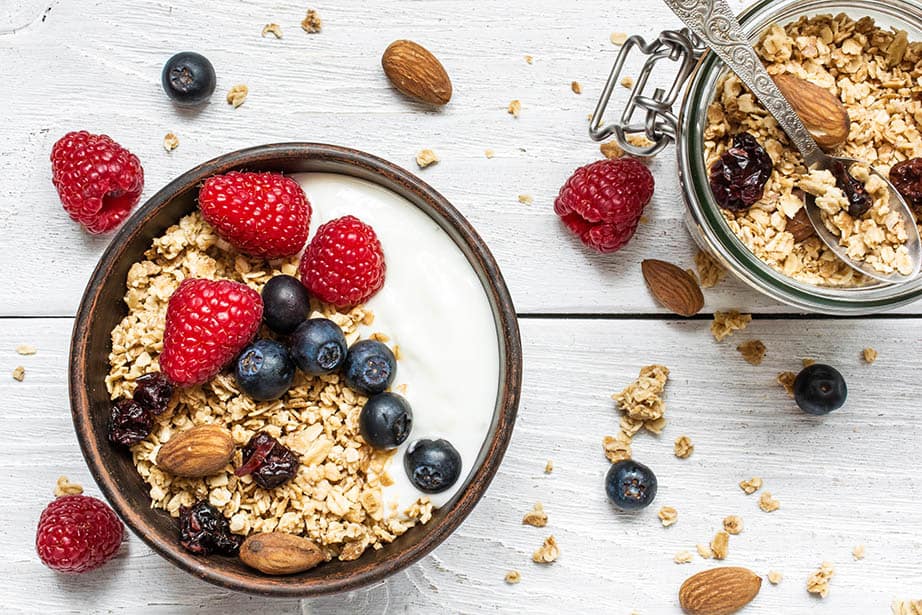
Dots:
pixel 587 322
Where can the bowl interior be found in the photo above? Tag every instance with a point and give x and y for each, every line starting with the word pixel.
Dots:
pixel 102 308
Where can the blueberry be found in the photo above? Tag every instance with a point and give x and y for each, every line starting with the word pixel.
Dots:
pixel 630 485
pixel 370 367
pixel 265 370
pixel 432 465
pixel 318 346
pixel 188 78
pixel 286 304
pixel 819 389
pixel 386 420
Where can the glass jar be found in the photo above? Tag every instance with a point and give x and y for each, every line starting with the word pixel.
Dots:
pixel 705 221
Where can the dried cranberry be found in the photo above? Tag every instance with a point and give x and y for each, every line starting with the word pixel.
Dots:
pixel 907 177
pixel 268 461
pixel 738 177
pixel 203 531
pixel 858 200
pixel 129 423
pixel 153 392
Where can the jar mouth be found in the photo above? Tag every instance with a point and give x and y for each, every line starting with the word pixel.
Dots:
pixel 704 212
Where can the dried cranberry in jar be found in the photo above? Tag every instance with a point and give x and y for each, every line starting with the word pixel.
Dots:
pixel 129 423
pixel 153 392
pixel 268 461
pixel 738 178
pixel 859 202
pixel 907 177
pixel 203 531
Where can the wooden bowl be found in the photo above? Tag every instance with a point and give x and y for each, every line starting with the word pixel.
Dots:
pixel 102 308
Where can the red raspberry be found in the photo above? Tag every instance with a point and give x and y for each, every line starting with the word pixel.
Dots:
pixel 344 263
pixel 98 180
pixel 77 533
pixel 208 322
pixel 260 214
pixel 602 202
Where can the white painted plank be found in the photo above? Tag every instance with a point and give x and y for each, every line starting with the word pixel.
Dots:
pixel 847 479
pixel 96 66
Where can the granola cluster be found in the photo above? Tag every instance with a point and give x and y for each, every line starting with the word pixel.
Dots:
pixel 336 498
pixel 877 74
pixel 643 408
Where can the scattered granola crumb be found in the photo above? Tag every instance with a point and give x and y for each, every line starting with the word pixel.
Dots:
pixel 237 94
pixel 627 82
pixel 272 28
pixel 668 515
pixel 807 362
pixel 752 485
pixel 683 557
pixel 535 517
pixel 720 544
pixel 869 355
pixel 726 323
pixel 25 349
pixel 529 59
pixel 576 87
pixel 704 551
pixel 617 448
pixel 65 487
pixel 709 270
pixel 858 552
pixel 611 149
pixel 426 157
pixel 514 107
pixel 733 524
pixel 547 552
pixel 526 199
pixel 513 577
pixel 311 22
pixel 488 153
pixel 786 379
pixel 818 582
pixel 774 577
pixel 549 466
pixel 641 400
pixel 753 351
pixel 19 373
pixel 639 141
pixel 170 141
pixel 906 607
pixel 683 447
pixel 767 503
pixel 397 354
pixel 380 337
pixel 618 38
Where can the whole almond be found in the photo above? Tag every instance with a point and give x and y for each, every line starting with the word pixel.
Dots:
pixel 280 553
pixel 674 288
pixel 799 226
pixel 416 72
pixel 824 115
pixel 719 591
pixel 197 452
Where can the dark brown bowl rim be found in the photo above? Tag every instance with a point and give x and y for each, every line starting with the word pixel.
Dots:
pixel 389 176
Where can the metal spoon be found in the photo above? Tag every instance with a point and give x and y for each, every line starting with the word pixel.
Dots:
pixel 716 24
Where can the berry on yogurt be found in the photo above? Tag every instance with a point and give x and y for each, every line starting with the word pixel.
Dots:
pixel 432 465
pixel 370 367
pixel 385 421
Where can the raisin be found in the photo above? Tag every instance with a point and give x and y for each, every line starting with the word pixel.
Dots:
pixel 907 177
pixel 738 178
pixel 153 392
pixel 203 531
pixel 859 202
pixel 268 461
pixel 129 423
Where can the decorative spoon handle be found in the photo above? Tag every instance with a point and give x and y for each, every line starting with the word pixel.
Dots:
pixel 714 22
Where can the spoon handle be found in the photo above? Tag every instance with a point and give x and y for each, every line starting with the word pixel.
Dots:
pixel 714 22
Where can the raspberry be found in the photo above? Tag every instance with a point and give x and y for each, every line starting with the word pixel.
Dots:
pixel 77 533
pixel 98 180
pixel 602 202
pixel 208 322
pixel 344 263
pixel 260 214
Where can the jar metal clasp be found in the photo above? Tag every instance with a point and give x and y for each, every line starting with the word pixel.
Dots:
pixel 659 123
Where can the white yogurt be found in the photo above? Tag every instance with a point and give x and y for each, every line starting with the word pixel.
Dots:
pixel 432 305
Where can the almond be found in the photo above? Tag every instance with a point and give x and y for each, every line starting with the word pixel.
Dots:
pixel 800 226
pixel 674 288
pixel 719 591
pixel 280 553
pixel 416 72
pixel 197 452
pixel 822 112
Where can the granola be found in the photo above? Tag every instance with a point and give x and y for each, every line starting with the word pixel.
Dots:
pixel 536 517
pixel 547 552
pixel 19 373
pixel 858 552
pixel 311 23
pixel 869 355
pixel 774 577
pixel 513 576
pixel 906 607
pixel 272 28
pixel 576 87
pixel 643 408
pixel 65 487
pixel 25 350
pixel 426 157
pixel 818 582
pixel 704 551
pixel 753 351
pixel 514 108
pixel 683 557
pixel 526 199
pixel 683 447
pixel 549 466
pixel 618 38
pixel 720 544
pixel 752 485
pixel 709 270
pixel 668 515
pixel 237 95
pixel 611 150
pixel 170 141
pixel 786 380
pixel 727 323
pixel 733 524
pixel 767 503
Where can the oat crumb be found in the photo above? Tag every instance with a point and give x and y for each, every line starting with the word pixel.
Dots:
pixel 617 448
pixel 611 150
pixel 709 270
pixel 618 38
pixel 753 351
pixel 170 141
pixel 237 95
pixel 65 487
pixel 752 485
pixel 19 373
pixel 858 552
pixel 25 349
pixel 488 153
pixel 683 557
pixel 704 551
pixel 774 577
pixel 869 355
pixel 526 199
pixel 627 82
pixel 547 552
pixel 311 22
pixel 536 517
pixel 720 544
pixel 818 582
pixel 529 59
pixel 668 515
pixel 807 362
pixel 549 466
pixel 767 503
pixel 576 87
pixel 272 28
pixel 514 108
pixel 733 524
pixel 726 323
pixel 683 447
pixel 906 607
pixel 425 158
pixel 513 577
pixel 786 379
